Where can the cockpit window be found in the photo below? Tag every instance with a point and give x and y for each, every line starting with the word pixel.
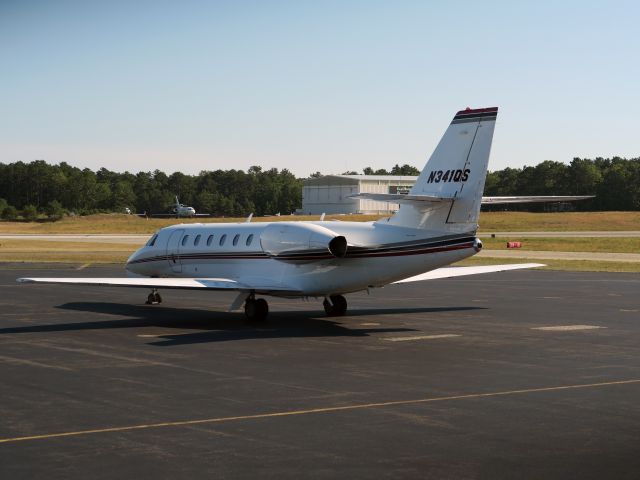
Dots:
pixel 152 240
pixel 184 240
pixel 197 240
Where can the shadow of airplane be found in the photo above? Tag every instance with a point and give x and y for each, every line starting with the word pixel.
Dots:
pixel 219 326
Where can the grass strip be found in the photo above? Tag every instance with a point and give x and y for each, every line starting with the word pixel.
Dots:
pixel 489 221
pixel 566 244
pixel 563 265
pixel 34 251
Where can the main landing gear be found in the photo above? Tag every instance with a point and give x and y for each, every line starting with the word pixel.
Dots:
pixel 335 305
pixel 154 298
pixel 256 309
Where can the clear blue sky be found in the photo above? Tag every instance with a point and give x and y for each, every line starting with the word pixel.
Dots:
pixel 312 85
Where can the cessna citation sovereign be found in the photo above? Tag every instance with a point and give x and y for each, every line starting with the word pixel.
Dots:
pixel 434 227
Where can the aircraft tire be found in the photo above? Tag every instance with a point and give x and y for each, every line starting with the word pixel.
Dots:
pixel 328 308
pixel 250 309
pixel 154 298
pixel 337 307
pixel 262 308
pixel 256 310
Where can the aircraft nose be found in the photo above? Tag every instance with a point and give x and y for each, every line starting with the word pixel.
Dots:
pixel 130 266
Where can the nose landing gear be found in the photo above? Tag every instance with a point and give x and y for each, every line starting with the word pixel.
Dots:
pixel 256 310
pixel 335 305
pixel 154 298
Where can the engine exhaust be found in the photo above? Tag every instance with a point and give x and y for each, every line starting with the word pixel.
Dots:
pixel 338 246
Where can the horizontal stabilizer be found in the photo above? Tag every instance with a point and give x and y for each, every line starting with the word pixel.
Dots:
pixel 174 283
pixel 448 272
pixel 535 199
pixel 401 198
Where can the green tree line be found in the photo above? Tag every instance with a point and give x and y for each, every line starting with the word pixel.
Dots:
pixel 31 189
pixel 614 181
pixel 38 187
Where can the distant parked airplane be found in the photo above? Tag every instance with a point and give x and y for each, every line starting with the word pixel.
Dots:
pixel 435 227
pixel 178 210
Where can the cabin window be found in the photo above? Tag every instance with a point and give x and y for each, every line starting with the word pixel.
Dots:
pixel 223 238
pixel 197 240
pixel 249 239
pixel 152 240
pixel 209 240
pixel 184 240
pixel 235 239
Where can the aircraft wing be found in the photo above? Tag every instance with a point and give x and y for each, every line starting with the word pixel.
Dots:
pixel 257 285
pixel 400 197
pixel 408 198
pixel 263 286
pixel 533 199
pixel 448 272
pixel 174 215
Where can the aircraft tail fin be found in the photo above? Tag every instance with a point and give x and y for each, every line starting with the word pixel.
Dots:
pixel 455 175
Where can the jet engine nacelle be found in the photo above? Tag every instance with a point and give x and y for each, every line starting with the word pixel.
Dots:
pixel 292 238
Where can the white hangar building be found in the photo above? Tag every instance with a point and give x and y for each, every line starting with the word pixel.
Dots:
pixel 330 194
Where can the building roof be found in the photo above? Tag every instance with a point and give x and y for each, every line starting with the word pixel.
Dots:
pixel 355 179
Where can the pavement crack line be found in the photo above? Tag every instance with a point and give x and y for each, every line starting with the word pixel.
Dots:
pixel 142 361
pixel 289 413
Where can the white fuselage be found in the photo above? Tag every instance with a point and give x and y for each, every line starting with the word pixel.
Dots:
pixel 184 211
pixel 377 254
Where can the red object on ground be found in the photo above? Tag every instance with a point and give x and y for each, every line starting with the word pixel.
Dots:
pixel 514 244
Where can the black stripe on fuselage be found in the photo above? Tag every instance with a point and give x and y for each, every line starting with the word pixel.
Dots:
pixel 200 255
pixel 397 249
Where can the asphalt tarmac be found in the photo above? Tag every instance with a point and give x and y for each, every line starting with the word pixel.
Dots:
pixel 460 378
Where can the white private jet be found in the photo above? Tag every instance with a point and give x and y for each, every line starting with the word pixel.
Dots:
pixel 181 210
pixel 178 210
pixel 435 227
